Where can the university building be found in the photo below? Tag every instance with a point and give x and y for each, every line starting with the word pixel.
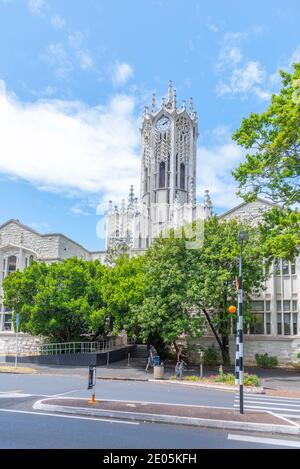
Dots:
pixel 168 199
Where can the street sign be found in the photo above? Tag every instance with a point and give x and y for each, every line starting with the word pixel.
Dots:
pixel 92 376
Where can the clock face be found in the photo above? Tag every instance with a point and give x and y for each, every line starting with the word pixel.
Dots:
pixel 163 124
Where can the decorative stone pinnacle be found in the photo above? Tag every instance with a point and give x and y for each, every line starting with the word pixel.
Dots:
pixel 153 103
pixel 170 91
pixel 191 105
pixel 184 104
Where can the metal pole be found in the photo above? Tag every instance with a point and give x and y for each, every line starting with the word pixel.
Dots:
pixel 128 362
pixel 240 332
pixel 17 337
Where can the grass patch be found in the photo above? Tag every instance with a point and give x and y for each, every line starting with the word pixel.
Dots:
pixel 18 369
pixel 224 378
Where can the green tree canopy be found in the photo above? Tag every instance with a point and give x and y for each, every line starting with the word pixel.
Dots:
pixel 61 301
pixel 272 166
pixel 213 272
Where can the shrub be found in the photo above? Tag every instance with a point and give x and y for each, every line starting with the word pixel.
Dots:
pixel 192 378
pixel 227 378
pixel 264 361
pixel 211 356
pixel 251 380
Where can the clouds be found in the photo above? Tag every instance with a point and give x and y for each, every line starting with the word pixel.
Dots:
pixel 36 6
pixel 214 166
pixel 64 58
pixel 67 146
pixel 121 73
pixel 240 76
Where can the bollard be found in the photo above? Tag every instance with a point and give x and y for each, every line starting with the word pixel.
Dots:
pixel 107 359
pixel 128 361
pixel 201 363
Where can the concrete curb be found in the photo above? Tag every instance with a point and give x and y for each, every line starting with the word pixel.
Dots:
pixel 247 389
pixel 122 378
pixel 293 429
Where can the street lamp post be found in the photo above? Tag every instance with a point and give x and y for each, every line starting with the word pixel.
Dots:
pixel 243 236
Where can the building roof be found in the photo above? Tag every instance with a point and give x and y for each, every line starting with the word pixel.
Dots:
pixel 28 228
pixel 258 199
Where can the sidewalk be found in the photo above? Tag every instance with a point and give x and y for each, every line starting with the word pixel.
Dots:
pixel 202 416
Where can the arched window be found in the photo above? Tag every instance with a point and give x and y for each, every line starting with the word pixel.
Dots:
pixel 162 174
pixel 182 176
pixel 140 241
pixel 146 180
pixel 12 264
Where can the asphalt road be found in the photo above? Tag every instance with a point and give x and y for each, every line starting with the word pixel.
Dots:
pixel 23 427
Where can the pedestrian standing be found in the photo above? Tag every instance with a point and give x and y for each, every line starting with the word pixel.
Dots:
pixel 150 356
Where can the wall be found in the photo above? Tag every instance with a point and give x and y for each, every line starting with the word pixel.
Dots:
pixel 284 348
pixel 75 359
pixel 25 343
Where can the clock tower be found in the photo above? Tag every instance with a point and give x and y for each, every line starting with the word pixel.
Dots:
pixel 167 200
pixel 168 163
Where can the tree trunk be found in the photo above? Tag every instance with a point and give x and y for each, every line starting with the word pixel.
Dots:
pixel 225 350
pixel 222 342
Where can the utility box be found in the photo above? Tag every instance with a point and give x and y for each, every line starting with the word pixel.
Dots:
pixel 158 372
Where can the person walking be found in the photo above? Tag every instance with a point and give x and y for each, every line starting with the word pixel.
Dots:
pixel 180 364
pixel 150 351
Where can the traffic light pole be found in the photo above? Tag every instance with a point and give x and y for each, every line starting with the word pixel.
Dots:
pixel 240 330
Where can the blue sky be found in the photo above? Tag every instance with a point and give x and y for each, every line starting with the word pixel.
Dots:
pixel 75 75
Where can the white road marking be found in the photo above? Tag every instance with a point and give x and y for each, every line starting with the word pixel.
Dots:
pixel 10 395
pixel 267 408
pixel 68 392
pixel 68 416
pixel 271 402
pixel 265 441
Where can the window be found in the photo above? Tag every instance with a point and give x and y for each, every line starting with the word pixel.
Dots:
pixel 287 319
pixel 285 267
pixel 257 323
pixel 257 305
pixel 268 323
pixel 7 322
pixel 279 328
pixel 287 323
pixel 293 268
pixel 295 321
pixel 277 267
pixel 260 322
pixel 182 176
pixel 12 264
pixel 162 174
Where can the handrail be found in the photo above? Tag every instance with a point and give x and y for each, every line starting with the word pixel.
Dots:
pixel 104 345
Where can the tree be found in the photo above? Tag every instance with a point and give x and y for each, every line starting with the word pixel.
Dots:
pixel 272 166
pixel 61 301
pixel 122 288
pixel 212 275
pixel 164 314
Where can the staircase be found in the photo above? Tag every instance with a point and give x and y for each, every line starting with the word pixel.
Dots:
pixel 138 355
